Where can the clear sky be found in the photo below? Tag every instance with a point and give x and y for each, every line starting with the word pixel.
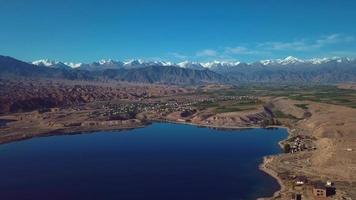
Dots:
pixel 176 30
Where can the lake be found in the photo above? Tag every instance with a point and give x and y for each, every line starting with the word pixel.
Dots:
pixel 160 162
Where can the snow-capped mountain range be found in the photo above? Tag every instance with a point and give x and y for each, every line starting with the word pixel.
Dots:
pixel 214 65
pixel 55 64
pixel 287 70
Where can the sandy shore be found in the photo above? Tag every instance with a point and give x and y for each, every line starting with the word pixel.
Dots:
pixel 273 174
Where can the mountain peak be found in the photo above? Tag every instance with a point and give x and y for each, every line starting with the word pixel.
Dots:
pixel 73 65
pixel 45 62
pixel 134 62
pixel 290 60
pixel 213 65
pixel 281 70
pixel 109 61
pixel 191 65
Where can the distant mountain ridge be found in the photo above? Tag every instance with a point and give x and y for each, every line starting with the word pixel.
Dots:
pixel 214 65
pixel 288 70
pixel 13 68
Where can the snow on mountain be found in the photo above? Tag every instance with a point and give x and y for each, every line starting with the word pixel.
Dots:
pixel 110 62
pixel 190 65
pixel 131 63
pixel 51 63
pixel 156 63
pixel 317 61
pixel 140 63
pixel 289 61
pixel 206 65
pixel 214 65
pixel 267 62
pixel 344 59
pixel 73 65
pixel 45 62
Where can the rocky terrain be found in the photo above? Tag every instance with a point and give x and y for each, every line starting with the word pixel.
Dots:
pixel 331 155
pixel 25 95
pixel 41 108
pixel 11 68
pixel 351 86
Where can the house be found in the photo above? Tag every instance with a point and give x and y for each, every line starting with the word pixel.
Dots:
pixel 329 184
pixel 296 196
pixel 319 190
pixel 300 180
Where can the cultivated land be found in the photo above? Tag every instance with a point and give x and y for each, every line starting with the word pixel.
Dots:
pixel 321 120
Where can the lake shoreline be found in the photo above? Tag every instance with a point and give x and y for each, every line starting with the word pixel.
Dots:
pixel 261 167
pixel 266 159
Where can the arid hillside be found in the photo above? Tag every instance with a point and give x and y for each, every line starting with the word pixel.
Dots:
pixel 331 129
pixel 24 95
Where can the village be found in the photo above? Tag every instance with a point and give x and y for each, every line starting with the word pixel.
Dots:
pixel 128 110
pixel 317 190
pixel 299 143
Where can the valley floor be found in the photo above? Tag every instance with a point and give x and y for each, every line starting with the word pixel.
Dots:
pixel 322 137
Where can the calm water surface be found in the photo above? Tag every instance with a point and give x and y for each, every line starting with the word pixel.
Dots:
pixel 159 162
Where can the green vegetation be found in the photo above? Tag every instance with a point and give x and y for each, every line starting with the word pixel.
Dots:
pixel 280 114
pixel 319 93
pixel 234 106
pixel 223 106
pixel 302 106
pixel 286 148
pixel 223 109
pixel 328 94
pixel 207 104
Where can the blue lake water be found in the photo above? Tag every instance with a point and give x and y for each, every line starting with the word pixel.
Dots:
pixel 160 162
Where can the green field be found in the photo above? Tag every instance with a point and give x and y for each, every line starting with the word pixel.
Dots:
pixel 229 106
pixel 318 93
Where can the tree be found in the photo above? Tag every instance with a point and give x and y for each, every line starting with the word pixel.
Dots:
pixel 287 148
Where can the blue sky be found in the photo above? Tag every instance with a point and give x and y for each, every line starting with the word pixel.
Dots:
pixel 176 30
